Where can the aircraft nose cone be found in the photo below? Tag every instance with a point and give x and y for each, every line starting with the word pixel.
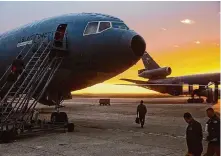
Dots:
pixel 135 42
pixel 138 45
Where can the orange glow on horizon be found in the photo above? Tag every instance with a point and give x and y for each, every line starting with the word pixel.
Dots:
pixel 104 88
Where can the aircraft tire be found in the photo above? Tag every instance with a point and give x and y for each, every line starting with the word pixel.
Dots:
pixel 208 100
pixel 190 101
pixel 63 117
pixel 201 100
pixel 70 127
pixel 54 117
pixel 7 136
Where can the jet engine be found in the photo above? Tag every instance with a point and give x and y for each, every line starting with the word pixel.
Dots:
pixel 155 73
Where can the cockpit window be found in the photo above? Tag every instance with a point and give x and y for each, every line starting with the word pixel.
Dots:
pixel 119 25
pixel 91 28
pixel 104 26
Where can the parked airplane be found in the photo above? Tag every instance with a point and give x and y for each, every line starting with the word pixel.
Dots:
pixel 62 54
pixel 158 81
pixel 98 47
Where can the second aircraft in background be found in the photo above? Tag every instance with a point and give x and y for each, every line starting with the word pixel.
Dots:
pixel 158 81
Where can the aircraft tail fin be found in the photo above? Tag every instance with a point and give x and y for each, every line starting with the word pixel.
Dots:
pixel 148 62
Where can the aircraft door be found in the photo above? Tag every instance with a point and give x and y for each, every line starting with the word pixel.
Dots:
pixel 59 37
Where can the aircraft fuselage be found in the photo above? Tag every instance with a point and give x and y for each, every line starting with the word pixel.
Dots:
pixel 91 58
pixel 198 79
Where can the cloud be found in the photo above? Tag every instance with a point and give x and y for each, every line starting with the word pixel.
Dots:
pixel 217 44
pixel 163 29
pixel 197 42
pixel 176 46
pixel 187 21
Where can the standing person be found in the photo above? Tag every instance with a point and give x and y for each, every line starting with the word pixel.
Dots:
pixel 18 65
pixel 141 112
pixel 11 78
pixel 213 137
pixel 194 136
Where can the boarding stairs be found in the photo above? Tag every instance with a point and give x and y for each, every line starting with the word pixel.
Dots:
pixel 21 96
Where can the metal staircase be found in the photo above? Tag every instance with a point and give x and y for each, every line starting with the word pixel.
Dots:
pixel 21 96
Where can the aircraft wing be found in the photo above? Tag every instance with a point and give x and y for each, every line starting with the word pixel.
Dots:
pixel 146 84
pixel 134 81
pixel 151 85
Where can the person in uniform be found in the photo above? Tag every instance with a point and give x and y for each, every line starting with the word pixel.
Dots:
pixel 18 65
pixel 194 136
pixel 213 138
pixel 141 112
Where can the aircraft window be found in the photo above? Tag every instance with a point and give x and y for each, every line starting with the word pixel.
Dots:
pixel 91 28
pixel 104 25
pixel 119 25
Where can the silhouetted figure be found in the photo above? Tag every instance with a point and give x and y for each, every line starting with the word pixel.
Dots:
pixel 194 136
pixel 18 66
pixel 2 94
pixel 141 112
pixel 213 137
pixel 11 78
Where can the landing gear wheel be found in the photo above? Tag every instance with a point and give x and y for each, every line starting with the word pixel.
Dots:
pixel 70 127
pixel 54 117
pixel 63 117
pixel 59 117
pixel 190 101
pixel 208 100
pixel 7 136
pixel 199 100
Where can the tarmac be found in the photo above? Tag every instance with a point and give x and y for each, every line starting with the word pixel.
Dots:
pixel 112 131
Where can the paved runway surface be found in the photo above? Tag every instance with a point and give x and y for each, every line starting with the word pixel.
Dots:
pixel 111 130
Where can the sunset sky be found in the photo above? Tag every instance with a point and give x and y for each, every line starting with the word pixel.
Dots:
pixel 182 35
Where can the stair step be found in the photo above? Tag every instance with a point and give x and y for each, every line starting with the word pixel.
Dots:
pixel 32 71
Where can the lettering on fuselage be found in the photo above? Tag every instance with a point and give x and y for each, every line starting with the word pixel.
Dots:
pixel 35 38
pixel 24 43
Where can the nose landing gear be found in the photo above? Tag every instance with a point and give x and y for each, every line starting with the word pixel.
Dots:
pixel 61 118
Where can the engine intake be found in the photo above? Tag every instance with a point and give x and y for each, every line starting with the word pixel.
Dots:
pixel 155 73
